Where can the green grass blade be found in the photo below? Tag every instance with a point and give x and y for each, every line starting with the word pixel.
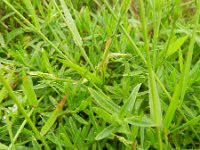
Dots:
pixel 53 116
pixel 155 106
pixel 35 144
pixel 46 62
pixel 29 91
pixel 3 92
pixel 191 122
pixel 79 119
pixel 104 101
pixel 126 33
pixel 175 16
pixel 154 100
pixel 72 27
pixel 176 45
pixel 107 117
pixel 82 71
pixel 129 103
pixel 140 121
pixel 67 141
pixel 71 24
pixel 31 11
pixel 2 41
pixel 20 130
pixel 106 132
pixel 13 34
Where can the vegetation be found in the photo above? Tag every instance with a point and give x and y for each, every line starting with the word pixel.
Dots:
pixel 90 74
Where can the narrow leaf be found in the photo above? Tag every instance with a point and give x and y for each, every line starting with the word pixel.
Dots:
pixel 12 34
pixel 101 113
pixel 31 11
pixel 154 102
pixel 2 41
pixel 129 104
pixel 104 101
pixel 176 45
pixel 82 71
pixel 80 119
pixel 35 144
pixel 71 24
pixel 46 62
pixel 53 117
pixel 106 132
pixel 140 121
pixel 29 91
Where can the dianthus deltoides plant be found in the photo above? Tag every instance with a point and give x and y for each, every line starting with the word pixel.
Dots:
pixel 99 74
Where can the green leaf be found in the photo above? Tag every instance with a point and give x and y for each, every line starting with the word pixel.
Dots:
pixel 3 91
pixel 104 101
pixel 12 34
pixel 82 71
pixel 140 121
pixel 2 41
pixel 65 137
pixel 29 91
pixel 154 101
pixel 45 60
pixel 31 11
pixel 66 140
pixel 129 104
pixel 101 113
pixel 125 6
pixel 3 146
pixel 35 144
pixel 53 117
pixel 106 132
pixel 71 24
pixel 80 119
pixel 176 45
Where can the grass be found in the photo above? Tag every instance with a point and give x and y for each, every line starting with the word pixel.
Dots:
pixel 110 74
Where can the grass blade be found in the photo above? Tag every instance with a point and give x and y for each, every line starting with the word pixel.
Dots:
pixel 129 104
pixel 176 45
pixel 191 122
pixel 46 62
pixel 31 10
pixel 3 92
pixel 104 101
pixel 106 132
pixel 71 24
pixel 53 116
pixel 72 27
pixel 155 106
pixel 82 71
pixel 154 100
pixel 104 115
pixel 140 121
pixel 29 91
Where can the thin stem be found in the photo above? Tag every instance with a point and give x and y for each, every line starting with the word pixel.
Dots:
pixel 155 109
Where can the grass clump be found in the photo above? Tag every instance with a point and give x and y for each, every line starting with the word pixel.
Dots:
pixel 99 74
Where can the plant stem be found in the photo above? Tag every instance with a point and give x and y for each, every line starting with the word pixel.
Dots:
pixel 155 107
